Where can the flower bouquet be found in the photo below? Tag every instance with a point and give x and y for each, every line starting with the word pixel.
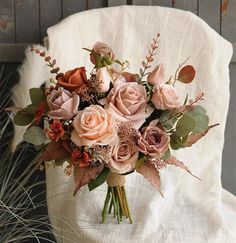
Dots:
pixel 109 123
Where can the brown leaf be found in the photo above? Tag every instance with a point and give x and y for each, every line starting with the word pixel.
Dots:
pixel 186 74
pixel 149 172
pixel 193 138
pixel 224 7
pixel 42 54
pixel 53 62
pixel 173 161
pixel 83 176
pixel 48 58
pixel 55 70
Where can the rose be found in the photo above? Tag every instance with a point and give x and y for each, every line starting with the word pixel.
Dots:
pixel 124 156
pixel 103 80
pixel 63 104
pixel 156 77
pixel 73 80
pixel 165 97
pixel 129 102
pixel 153 141
pixel 103 50
pixel 94 125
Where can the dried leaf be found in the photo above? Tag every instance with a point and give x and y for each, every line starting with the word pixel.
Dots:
pixel 47 59
pixel 143 64
pixel 42 54
pixel 173 161
pixel 83 176
pixel 186 74
pixel 194 137
pixel 149 172
pixel 55 70
pixel 53 62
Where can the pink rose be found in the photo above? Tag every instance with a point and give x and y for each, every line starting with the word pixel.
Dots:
pixel 165 97
pixel 153 141
pixel 94 125
pixel 103 50
pixel 124 156
pixel 156 77
pixel 63 104
pixel 128 101
pixel 103 80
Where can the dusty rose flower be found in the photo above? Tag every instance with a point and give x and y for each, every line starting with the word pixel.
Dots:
pixel 94 125
pixel 63 104
pixel 153 141
pixel 165 97
pixel 101 49
pixel 156 77
pixel 129 102
pixel 124 156
pixel 73 80
pixel 103 79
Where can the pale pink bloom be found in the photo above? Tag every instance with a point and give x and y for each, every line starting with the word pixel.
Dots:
pixel 63 104
pixel 124 156
pixel 128 101
pixel 156 77
pixel 103 80
pixel 94 125
pixel 153 141
pixel 165 97
pixel 103 50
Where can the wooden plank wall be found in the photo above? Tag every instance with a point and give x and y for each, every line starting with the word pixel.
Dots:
pixel 26 21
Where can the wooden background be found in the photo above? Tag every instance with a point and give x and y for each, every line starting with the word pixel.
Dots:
pixel 26 21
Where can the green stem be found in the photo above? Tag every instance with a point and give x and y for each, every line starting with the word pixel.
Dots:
pixel 104 211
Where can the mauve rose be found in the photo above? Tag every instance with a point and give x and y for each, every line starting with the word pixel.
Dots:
pixel 103 79
pixel 102 49
pixel 156 77
pixel 165 97
pixel 94 125
pixel 129 102
pixel 153 141
pixel 63 104
pixel 73 80
pixel 124 156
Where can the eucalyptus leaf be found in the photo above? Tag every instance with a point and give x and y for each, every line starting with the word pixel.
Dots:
pixel 22 118
pixel 101 178
pixel 31 109
pixel 36 95
pixel 185 125
pixel 140 162
pixel 35 135
pixel 166 155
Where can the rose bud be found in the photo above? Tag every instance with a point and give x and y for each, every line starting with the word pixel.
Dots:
pixel 156 77
pixel 103 80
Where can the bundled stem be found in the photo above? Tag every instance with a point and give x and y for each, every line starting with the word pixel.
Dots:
pixel 116 199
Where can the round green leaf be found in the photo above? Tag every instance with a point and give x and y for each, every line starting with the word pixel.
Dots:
pixel 36 96
pixel 186 74
pixel 22 118
pixel 185 125
pixel 35 135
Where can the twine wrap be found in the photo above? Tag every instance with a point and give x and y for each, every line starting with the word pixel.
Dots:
pixel 115 180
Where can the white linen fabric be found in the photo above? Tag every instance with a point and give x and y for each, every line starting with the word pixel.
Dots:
pixel 191 211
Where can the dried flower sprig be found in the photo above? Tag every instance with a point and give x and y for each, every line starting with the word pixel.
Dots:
pixel 149 58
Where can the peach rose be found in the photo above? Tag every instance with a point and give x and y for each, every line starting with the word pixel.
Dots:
pixel 102 49
pixel 124 156
pixel 94 125
pixel 129 102
pixel 156 77
pixel 165 97
pixel 103 79
pixel 153 141
pixel 63 104
pixel 73 80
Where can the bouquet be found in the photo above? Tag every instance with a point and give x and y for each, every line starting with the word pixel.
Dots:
pixel 109 123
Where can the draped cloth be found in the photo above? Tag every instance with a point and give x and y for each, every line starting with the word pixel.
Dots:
pixel 191 210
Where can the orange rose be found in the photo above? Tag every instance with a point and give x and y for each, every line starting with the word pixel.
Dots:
pixel 73 80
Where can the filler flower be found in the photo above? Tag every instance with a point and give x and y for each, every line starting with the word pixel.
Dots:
pixel 56 131
pixel 39 113
pixel 73 80
pixel 94 125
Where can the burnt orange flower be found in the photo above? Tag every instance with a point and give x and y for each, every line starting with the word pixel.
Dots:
pixel 39 113
pixel 56 131
pixel 73 80
pixel 82 159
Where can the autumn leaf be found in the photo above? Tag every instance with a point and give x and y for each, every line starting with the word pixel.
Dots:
pixel 186 74
pixel 173 161
pixel 149 172
pixel 83 176
pixel 194 137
